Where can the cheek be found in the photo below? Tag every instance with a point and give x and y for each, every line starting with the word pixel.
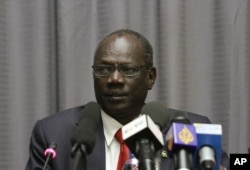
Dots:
pixel 98 85
pixel 139 89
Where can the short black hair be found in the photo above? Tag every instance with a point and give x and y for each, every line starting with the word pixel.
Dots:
pixel 144 42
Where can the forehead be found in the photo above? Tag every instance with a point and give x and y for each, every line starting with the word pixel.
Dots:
pixel 121 48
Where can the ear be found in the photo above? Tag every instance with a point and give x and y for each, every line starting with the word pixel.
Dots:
pixel 151 77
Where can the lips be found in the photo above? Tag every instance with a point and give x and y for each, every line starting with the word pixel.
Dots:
pixel 115 96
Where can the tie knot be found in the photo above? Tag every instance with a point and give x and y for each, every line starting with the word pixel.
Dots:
pixel 118 135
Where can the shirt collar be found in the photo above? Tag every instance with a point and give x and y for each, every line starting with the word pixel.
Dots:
pixel 110 127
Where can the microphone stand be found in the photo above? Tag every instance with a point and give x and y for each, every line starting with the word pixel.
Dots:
pixel 49 153
pixel 46 162
pixel 145 150
pixel 79 157
pixel 183 160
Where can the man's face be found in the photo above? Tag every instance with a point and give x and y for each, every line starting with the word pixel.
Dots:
pixel 119 96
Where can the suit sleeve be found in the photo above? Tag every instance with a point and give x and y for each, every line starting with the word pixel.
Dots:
pixel 37 145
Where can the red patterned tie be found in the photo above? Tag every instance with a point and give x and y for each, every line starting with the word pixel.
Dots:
pixel 124 151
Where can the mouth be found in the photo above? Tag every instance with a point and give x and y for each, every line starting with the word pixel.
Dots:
pixel 114 96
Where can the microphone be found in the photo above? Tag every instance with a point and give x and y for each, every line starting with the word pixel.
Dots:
pixel 158 112
pixel 143 137
pixel 50 153
pixel 208 154
pixel 161 119
pixel 83 139
pixel 181 142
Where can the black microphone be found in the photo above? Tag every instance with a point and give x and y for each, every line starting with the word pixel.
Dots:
pixel 143 137
pixel 161 119
pixel 181 142
pixel 50 153
pixel 83 139
pixel 158 112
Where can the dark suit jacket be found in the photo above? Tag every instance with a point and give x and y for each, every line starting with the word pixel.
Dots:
pixel 59 128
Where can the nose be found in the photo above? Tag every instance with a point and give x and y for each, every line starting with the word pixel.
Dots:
pixel 116 77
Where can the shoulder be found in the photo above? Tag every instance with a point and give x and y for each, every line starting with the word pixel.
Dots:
pixel 60 121
pixel 193 117
pixel 56 127
pixel 71 114
pixel 197 118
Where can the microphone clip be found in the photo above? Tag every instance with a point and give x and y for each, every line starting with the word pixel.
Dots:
pixel 50 153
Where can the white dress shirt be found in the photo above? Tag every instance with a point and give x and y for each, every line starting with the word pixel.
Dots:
pixel 112 146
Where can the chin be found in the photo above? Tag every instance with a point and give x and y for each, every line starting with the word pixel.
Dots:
pixel 116 108
pixel 114 104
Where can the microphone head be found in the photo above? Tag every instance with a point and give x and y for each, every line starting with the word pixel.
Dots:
pixel 158 112
pixel 53 145
pixel 85 133
pixel 91 110
pixel 144 127
pixel 180 117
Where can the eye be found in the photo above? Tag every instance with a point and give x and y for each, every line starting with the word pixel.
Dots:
pixel 103 69
pixel 129 70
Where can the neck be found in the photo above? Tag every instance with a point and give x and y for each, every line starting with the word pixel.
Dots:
pixel 126 119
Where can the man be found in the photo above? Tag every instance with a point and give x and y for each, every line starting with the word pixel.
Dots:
pixel 123 73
